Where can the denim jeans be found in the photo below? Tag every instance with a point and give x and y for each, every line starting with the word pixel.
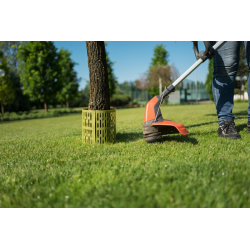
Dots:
pixel 226 63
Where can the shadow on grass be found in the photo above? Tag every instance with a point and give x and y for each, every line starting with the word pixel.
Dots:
pixel 201 124
pixel 179 138
pixel 241 127
pixel 133 136
pixel 129 137
pixel 238 115
pixel 241 113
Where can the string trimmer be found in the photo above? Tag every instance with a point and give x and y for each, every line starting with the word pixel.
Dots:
pixel 155 126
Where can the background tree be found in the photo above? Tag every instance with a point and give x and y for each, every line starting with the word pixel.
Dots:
pixel 38 67
pixel 142 82
pixel 159 68
pixel 156 72
pixel 111 76
pixel 98 76
pixel 209 79
pixel 243 68
pixel 21 101
pixel 67 78
pixel 10 49
pixel 160 56
pixel 6 87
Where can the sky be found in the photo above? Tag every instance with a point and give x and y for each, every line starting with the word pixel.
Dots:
pixel 132 58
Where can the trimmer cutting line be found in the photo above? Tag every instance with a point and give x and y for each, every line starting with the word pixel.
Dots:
pixel 154 125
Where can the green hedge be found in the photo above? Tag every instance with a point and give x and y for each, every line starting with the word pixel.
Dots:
pixel 120 100
pixel 36 114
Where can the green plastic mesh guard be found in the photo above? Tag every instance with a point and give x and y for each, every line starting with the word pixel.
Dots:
pixel 98 126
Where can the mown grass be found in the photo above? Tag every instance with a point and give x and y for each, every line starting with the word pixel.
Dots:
pixel 43 163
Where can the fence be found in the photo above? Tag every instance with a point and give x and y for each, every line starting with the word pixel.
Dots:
pixel 139 95
pixel 186 92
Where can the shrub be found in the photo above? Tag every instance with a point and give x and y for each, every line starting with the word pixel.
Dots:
pixel 63 111
pixel 236 91
pixel 120 100
pixel 55 113
pixel 33 115
pixel 15 116
pixel 40 115
pixel 134 102
pixel 7 115
pixel 24 116
pixel 78 103
pixel 48 114
pixel 5 118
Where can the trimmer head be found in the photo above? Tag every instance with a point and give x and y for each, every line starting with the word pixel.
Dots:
pixel 155 127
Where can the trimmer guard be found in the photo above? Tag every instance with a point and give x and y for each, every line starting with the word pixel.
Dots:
pixel 170 127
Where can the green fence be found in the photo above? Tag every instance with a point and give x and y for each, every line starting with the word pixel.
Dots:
pixel 185 92
pixel 189 92
pixel 139 95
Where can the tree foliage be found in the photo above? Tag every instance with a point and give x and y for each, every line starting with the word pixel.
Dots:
pixel 111 76
pixel 209 80
pixel 38 67
pixel 6 87
pixel 159 68
pixel 156 72
pixel 160 56
pixel 243 69
pixel 10 49
pixel 21 101
pixel 67 78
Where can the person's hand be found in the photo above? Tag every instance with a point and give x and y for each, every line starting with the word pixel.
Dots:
pixel 203 55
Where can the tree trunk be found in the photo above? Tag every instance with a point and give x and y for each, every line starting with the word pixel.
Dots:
pixel 45 106
pixel 67 103
pixel 2 109
pixel 98 76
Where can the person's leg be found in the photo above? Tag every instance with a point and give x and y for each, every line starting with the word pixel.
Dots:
pixel 247 49
pixel 226 61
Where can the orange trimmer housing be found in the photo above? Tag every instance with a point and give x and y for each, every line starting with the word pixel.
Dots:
pixel 155 124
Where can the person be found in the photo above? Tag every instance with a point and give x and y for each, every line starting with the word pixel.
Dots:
pixel 226 63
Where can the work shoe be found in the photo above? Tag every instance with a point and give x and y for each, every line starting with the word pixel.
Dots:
pixel 248 127
pixel 227 129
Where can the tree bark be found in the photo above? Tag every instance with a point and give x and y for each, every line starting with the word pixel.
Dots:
pixel 98 76
pixel 45 106
pixel 2 109
pixel 67 103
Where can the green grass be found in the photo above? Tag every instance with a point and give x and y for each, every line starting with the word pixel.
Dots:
pixel 43 163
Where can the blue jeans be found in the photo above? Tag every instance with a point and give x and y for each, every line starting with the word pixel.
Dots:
pixel 226 63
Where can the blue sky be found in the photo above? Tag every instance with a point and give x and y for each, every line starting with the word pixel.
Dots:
pixel 132 59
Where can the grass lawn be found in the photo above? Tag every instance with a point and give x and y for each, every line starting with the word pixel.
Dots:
pixel 43 163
